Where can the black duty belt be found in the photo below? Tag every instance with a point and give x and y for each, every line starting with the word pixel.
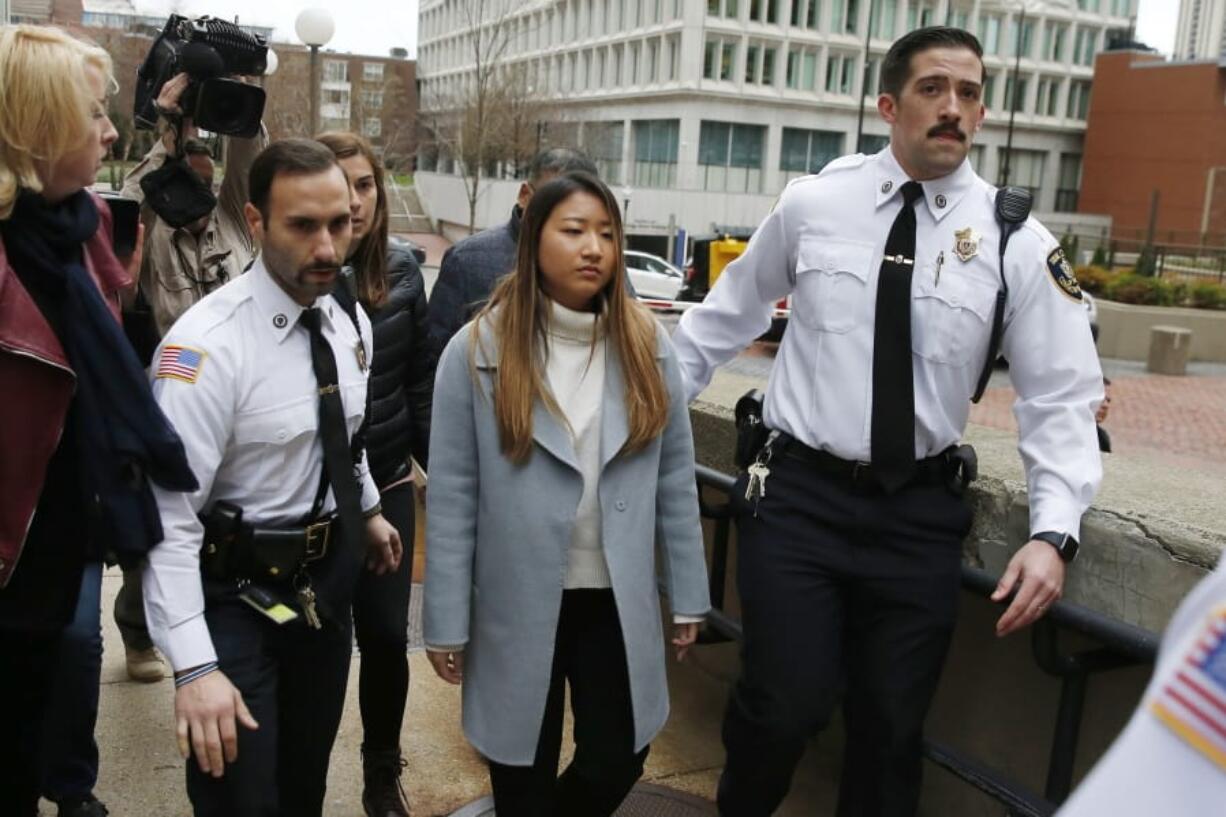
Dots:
pixel 234 549
pixel 954 467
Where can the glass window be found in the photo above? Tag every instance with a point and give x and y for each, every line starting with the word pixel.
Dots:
pixel 751 63
pixel 372 126
pixel 1017 103
pixel 808 70
pixel 871 143
pixel 812 12
pixel 845 17
pixel 1025 169
pixel 603 142
pixel 768 66
pixel 1054 35
pixel 372 71
pixel 807 151
pixel 336 71
pixel 655 152
pixel 884 14
pixel 727 60
pixel 989 33
pixel 1069 182
pixel 730 156
pixel 1078 100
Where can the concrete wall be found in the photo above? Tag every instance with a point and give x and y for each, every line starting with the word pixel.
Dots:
pixel 1124 330
pixel 1154 531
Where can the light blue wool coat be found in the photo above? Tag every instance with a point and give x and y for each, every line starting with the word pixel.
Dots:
pixel 497 535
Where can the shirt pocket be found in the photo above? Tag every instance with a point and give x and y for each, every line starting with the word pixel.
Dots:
pixel 273 431
pixel 831 283
pixel 953 317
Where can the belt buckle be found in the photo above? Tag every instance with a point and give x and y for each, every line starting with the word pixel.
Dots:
pixel 317 536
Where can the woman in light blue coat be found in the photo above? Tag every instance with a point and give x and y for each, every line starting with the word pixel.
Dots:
pixel 564 463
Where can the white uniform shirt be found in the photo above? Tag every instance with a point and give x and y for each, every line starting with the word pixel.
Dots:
pixel 245 401
pixel 1171 758
pixel 824 242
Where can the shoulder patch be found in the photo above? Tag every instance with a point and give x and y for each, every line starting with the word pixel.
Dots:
pixel 1062 274
pixel 180 363
pixel 1192 701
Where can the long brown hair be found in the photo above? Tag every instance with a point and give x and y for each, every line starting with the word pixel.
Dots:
pixel 370 257
pixel 518 313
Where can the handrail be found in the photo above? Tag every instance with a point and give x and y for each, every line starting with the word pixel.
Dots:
pixel 1122 645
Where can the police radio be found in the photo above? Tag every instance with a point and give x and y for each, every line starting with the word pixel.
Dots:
pixel 1012 209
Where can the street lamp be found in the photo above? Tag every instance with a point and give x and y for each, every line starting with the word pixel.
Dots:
pixel 626 192
pixel 315 27
pixel 868 42
pixel 1013 97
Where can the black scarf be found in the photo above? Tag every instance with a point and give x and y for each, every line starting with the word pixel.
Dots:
pixel 123 439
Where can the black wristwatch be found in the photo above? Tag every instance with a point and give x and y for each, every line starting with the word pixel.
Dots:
pixel 1064 544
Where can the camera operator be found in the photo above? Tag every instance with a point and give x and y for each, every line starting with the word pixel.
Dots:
pixel 184 264
pixel 180 267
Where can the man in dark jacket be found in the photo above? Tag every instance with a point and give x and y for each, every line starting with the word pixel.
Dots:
pixel 470 268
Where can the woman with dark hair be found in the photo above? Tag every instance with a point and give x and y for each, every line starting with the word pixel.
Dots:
pixel 569 459
pixel 389 285
pixel 80 432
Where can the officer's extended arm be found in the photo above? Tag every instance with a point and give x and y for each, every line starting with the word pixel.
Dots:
pixel 1055 371
pixel 738 308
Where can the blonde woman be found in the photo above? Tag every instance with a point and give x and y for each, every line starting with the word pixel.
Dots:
pixel 569 458
pixel 80 430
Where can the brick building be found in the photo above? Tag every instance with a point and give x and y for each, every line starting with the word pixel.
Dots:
pixel 372 95
pixel 1157 125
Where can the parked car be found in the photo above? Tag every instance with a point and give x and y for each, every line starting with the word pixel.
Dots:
pixel 652 277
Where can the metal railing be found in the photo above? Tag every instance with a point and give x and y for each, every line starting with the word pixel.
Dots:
pixel 1120 645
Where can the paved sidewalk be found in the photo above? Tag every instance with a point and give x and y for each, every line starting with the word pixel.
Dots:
pixel 1177 420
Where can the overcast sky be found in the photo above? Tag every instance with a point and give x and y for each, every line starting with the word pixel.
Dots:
pixel 376 26
pixel 362 26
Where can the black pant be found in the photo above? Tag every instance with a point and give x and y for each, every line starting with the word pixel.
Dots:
pixel 28 660
pixel 840 588
pixel 589 653
pixel 381 623
pixel 129 611
pixel 292 678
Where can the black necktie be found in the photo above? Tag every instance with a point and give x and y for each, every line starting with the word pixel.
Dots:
pixel 334 433
pixel 893 430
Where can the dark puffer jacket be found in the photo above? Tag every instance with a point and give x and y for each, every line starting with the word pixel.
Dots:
pixel 401 374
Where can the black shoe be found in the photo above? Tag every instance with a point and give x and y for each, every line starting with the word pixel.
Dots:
pixel 382 794
pixel 88 806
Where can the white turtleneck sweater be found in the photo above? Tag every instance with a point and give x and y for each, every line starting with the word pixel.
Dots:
pixel 574 372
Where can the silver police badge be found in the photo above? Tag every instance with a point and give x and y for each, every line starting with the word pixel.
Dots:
pixel 966 244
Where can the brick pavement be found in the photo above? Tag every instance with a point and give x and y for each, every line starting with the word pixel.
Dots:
pixel 1181 419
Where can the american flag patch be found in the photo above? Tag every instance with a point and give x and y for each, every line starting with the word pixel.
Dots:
pixel 1192 702
pixel 180 363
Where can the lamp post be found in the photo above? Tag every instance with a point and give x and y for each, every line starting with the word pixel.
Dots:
pixel 868 40
pixel 626 192
pixel 1013 101
pixel 315 28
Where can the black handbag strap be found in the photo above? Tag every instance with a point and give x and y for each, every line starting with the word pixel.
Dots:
pixel 1012 209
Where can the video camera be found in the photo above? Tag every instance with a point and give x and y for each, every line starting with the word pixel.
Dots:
pixel 208 50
